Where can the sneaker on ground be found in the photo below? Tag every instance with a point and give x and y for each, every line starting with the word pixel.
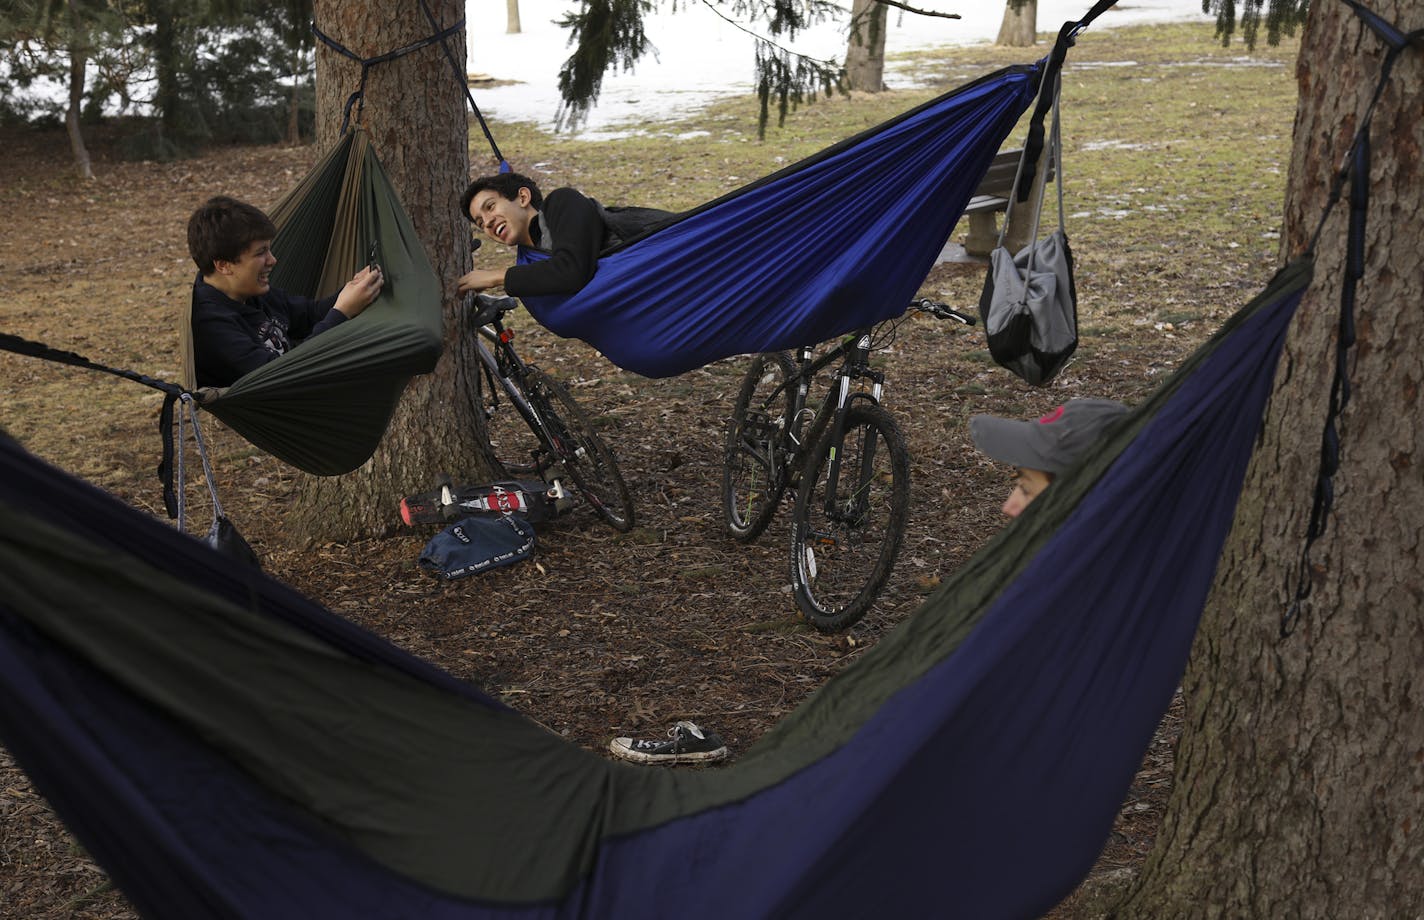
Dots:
pixel 685 743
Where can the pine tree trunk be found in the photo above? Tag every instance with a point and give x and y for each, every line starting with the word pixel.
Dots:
pixel 1020 26
pixel 165 65
pixel 513 27
pixel 415 114
pixel 1300 774
pixel 865 52
pixel 78 65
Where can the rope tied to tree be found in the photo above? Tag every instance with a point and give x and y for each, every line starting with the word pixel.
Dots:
pixel 1356 171
pixel 465 85
pixel 358 98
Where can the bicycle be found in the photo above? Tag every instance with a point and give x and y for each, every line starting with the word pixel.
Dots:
pixel 847 460
pixel 564 441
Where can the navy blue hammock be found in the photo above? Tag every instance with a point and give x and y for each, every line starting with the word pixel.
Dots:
pixel 226 748
pixel 830 244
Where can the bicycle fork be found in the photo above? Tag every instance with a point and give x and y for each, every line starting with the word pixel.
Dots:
pixel 854 508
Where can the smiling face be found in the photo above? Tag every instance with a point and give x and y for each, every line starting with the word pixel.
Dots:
pixel 249 275
pixel 504 219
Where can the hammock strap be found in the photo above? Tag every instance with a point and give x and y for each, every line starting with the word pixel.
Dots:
pixel 1357 172
pixel 172 393
pixel 1033 144
pixel 358 98
pixel 465 85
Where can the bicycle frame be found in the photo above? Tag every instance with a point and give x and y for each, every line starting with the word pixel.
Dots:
pixel 504 365
pixel 855 350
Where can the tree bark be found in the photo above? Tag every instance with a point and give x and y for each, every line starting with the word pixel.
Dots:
pixel 414 113
pixel 1020 26
pixel 78 65
pixel 865 52
pixel 1299 789
pixel 513 27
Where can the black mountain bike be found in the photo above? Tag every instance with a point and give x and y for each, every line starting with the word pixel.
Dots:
pixel 564 440
pixel 845 458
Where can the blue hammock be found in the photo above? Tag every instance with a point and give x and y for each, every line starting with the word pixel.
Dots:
pixel 828 245
pixel 226 748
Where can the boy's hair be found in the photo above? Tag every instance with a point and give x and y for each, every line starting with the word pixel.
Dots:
pixel 222 228
pixel 507 184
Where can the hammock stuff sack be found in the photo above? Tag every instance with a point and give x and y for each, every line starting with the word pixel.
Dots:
pixel 828 245
pixel 324 406
pixel 227 748
pixel 1030 302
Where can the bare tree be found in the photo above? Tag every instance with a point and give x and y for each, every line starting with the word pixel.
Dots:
pixel 513 27
pixel 1020 26
pixel 414 112
pixel 1300 773
pixel 865 53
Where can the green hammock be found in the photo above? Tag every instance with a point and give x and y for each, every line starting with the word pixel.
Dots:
pixel 323 406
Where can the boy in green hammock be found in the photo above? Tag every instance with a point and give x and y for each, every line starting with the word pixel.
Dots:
pixel 240 322
pixel 571 228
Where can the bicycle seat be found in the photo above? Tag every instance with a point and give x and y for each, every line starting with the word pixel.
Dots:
pixel 486 308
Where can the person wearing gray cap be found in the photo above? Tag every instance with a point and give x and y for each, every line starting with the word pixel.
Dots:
pixel 1040 450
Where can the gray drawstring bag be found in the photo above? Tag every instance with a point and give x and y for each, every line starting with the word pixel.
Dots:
pixel 1030 304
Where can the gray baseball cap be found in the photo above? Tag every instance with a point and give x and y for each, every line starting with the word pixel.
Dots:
pixel 1054 442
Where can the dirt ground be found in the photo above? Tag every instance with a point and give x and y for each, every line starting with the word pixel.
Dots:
pixel 601 634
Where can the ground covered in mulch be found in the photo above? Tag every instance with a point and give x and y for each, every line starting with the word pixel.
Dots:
pixel 601 634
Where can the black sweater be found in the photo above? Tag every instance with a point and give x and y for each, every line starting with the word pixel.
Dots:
pixel 573 229
pixel 232 338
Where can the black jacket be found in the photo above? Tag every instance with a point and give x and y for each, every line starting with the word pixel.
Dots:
pixel 232 338
pixel 574 229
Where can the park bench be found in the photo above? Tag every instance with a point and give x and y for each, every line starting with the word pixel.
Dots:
pixel 991 198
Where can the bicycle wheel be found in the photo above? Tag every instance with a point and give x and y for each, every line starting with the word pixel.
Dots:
pixel 843 548
pixel 752 479
pixel 574 443
pixel 514 444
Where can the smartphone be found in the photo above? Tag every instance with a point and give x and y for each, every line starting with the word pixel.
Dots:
pixel 371 256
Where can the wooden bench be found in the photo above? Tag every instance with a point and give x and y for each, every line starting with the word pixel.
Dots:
pixel 990 199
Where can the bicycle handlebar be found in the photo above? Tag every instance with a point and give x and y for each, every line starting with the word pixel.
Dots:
pixel 943 311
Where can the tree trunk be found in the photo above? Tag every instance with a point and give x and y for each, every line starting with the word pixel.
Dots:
pixel 865 53
pixel 294 119
pixel 513 7
pixel 415 115
pixel 165 65
pixel 1300 774
pixel 1020 26
pixel 78 64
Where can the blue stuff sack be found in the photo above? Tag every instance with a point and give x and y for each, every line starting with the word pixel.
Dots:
pixel 477 544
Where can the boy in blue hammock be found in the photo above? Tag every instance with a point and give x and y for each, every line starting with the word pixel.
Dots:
pixel 240 322
pixel 569 227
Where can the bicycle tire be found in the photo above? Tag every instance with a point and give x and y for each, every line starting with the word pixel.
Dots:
pixel 574 443
pixel 752 477
pixel 841 561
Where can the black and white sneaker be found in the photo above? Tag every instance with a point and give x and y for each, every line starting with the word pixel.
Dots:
pixel 685 743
